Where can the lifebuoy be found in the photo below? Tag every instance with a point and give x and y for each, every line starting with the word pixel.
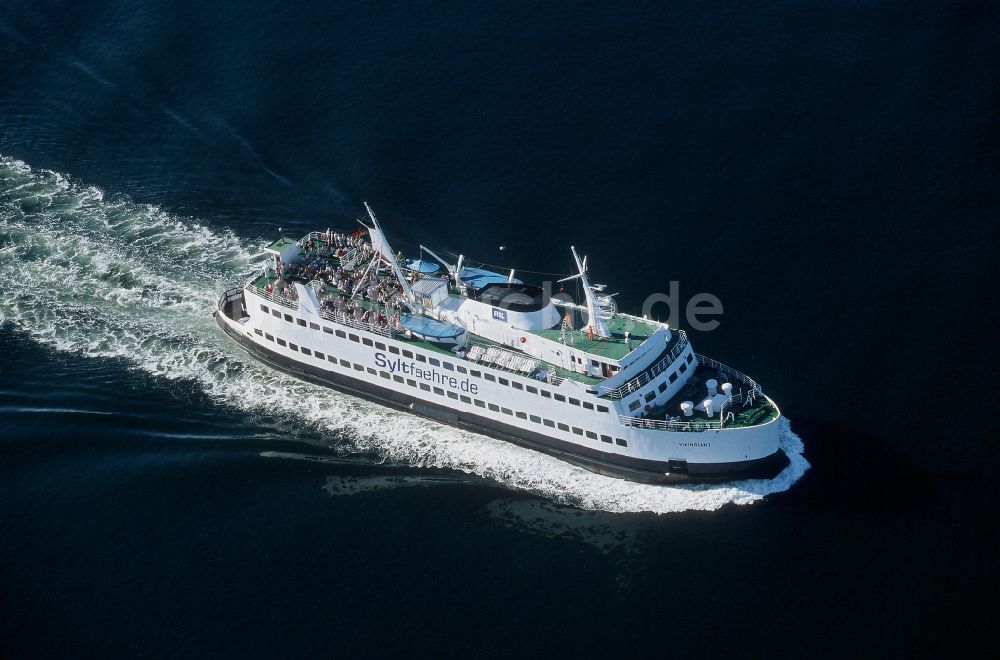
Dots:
pixel 524 339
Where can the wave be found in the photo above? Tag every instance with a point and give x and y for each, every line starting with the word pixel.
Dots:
pixel 102 276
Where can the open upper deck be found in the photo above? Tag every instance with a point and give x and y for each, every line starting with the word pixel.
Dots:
pixel 614 347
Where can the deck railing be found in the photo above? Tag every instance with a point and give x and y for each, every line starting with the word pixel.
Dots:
pixel 648 374
pixel 749 382
pixel 275 298
pixel 663 425
pixel 725 415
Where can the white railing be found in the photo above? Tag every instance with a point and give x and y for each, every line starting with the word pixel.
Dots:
pixel 736 375
pixel 275 298
pixel 650 373
pixel 725 415
pixel 343 319
pixel 663 425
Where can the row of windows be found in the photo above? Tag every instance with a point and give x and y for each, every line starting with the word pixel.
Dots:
pixel 650 395
pixel 531 389
pixel 441 392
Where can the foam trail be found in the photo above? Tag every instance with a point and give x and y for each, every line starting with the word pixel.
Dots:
pixel 106 277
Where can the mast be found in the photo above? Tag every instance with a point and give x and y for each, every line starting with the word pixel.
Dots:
pixel 594 320
pixel 384 250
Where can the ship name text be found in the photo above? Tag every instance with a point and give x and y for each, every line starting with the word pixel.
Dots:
pixel 408 368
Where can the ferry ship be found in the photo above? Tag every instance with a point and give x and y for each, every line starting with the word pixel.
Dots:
pixel 467 346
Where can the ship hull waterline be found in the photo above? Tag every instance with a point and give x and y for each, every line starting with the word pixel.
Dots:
pixel 655 473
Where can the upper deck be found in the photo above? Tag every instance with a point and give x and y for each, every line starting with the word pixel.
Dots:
pixel 615 347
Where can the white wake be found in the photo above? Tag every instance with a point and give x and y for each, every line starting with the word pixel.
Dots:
pixel 106 277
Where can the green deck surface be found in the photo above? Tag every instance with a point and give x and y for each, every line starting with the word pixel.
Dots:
pixel 280 244
pixel 614 347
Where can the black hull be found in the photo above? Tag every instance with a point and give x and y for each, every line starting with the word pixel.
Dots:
pixel 623 467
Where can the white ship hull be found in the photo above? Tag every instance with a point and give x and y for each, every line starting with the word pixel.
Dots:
pixel 585 430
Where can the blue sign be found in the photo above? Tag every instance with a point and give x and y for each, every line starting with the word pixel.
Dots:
pixel 499 314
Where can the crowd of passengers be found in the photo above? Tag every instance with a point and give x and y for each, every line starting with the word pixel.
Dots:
pixel 382 292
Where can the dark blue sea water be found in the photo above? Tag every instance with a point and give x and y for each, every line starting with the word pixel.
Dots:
pixel 828 170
